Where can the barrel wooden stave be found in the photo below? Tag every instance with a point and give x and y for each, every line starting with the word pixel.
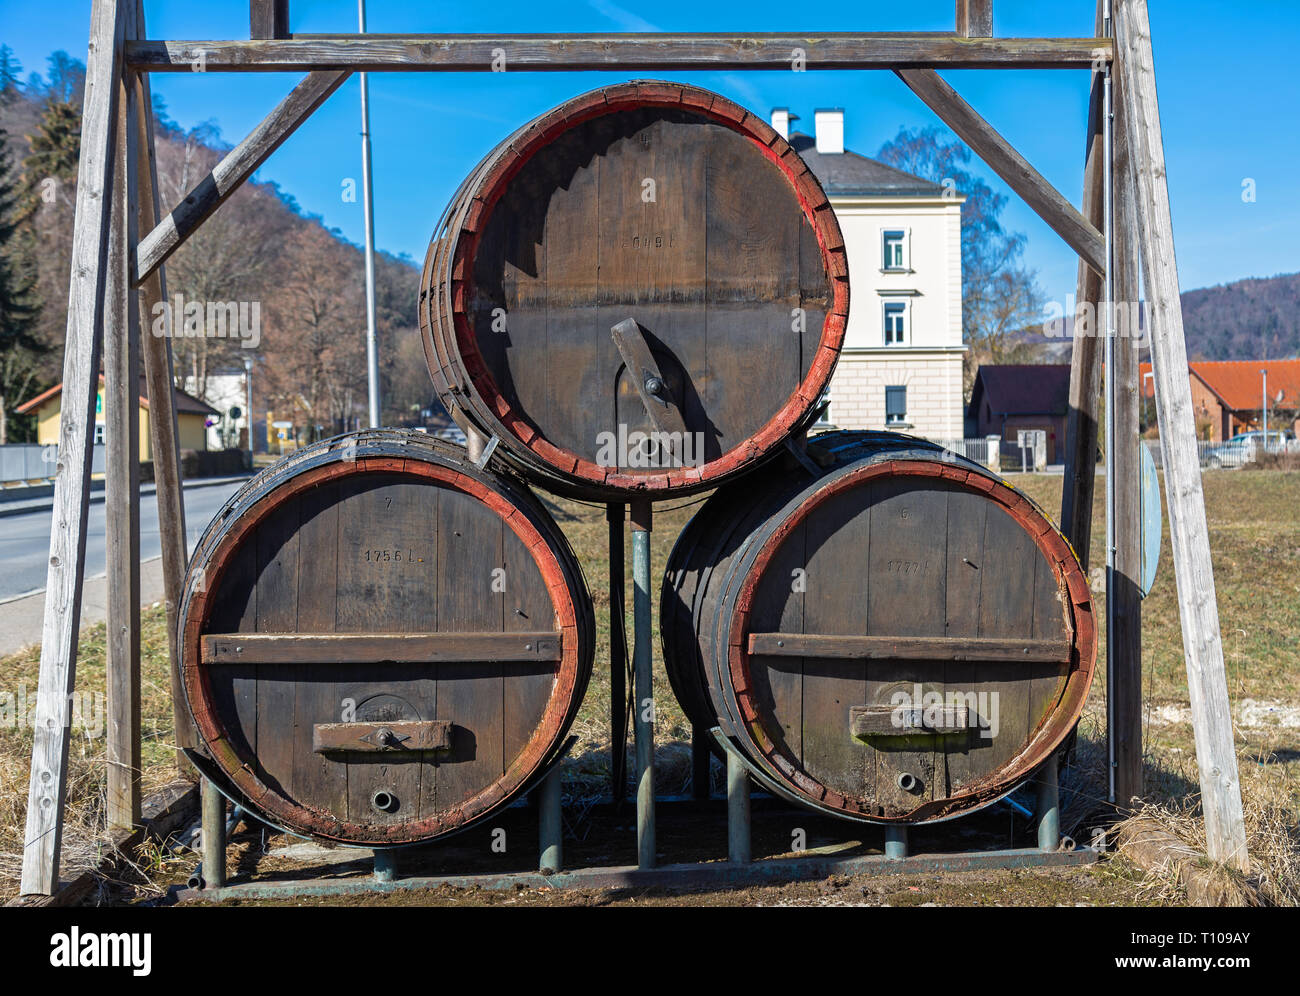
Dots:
pixel 864 571
pixel 551 231
pixel 382 535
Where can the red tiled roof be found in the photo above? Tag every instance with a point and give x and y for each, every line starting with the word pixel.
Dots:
pixel 184 402
pixel 1238 384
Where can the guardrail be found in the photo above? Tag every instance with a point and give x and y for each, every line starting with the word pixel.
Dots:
pixel 35 463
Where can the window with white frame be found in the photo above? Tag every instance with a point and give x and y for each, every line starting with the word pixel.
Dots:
pixel 99 433
pixel 894 249
pixel 895 316
pixel 896 404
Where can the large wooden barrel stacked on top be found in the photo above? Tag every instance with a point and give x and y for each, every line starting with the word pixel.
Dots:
pixel 641 293
pixel 658 205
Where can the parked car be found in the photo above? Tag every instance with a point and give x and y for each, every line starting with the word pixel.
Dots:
pixel 1241 448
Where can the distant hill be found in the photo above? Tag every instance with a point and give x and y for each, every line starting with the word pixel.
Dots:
pixel 1250 319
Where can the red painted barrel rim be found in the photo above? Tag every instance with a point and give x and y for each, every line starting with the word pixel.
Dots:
pixel 1052 730
pixel 239 769
pixel 812 201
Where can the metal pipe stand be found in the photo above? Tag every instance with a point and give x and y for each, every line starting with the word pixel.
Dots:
pixel 550 823
pixel 213 829
pixel 895 843
pixel 1049 806
pixel 739 837
pixel 643 712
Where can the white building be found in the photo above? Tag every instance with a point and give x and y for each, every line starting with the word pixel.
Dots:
pixel 226 390
pixel 901 367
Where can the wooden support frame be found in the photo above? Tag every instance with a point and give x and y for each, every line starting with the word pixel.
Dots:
pixel 975 18
pixel 377 53
pixel 1085 359
pixel 119 55
pixel 268 18
pixel 163 429
pixel 1189 535
pixel 122 463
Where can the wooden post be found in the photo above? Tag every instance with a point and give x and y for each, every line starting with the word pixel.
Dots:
pixel 268 18
pixel 975 18
pixel 163 431
pixel 122 477
pixel 1189 536
pixel 1124 657
pixel 64 578
pixel 1085 360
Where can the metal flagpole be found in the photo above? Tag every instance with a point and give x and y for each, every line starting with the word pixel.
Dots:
pixel 372 347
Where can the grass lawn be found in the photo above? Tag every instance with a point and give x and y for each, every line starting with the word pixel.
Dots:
pixel 1255 542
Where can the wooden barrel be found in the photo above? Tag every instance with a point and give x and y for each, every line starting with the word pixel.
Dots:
pixel 380 642
pixel 903 637
pixel 673 213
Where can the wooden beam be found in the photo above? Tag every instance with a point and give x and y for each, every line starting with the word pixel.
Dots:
pixel 908 648
pixel 268 18
pixel 975 18
pixel 1081 423
pixel 375 53
pixel 1189 535
pixel 64 578
pixel 237 166
pixel 380 648
pixel 381 738
pixel 122 478
pixel 1124 658
pixel 163 430
pixel 1080 234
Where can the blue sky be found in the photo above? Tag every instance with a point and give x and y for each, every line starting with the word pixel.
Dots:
pixel 1230 106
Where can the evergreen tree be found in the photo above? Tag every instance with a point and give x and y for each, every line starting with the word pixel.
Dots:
pixel 19 302
pixel 11 71
pixel 56 144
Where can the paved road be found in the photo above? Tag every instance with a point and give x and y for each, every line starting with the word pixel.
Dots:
pixel 25 539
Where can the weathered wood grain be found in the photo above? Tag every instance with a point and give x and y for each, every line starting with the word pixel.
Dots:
pixel 565 53
pixel 1124 656
pixel 63 586
pixel 381 648
pixel 122 476
pixel 1085 359
pixel 975 18
pixel 268 18
pixel 1188 533
pixel 916 648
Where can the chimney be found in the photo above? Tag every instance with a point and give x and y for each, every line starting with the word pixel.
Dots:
pixel 781 121
pixel 829 127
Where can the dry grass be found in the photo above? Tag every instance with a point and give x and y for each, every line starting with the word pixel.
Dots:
pixel 1255 545
pixel 1255 540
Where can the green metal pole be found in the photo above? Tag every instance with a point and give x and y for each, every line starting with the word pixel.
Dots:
pixel 643 683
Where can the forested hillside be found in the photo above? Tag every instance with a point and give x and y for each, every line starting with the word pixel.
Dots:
pixel 259 247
